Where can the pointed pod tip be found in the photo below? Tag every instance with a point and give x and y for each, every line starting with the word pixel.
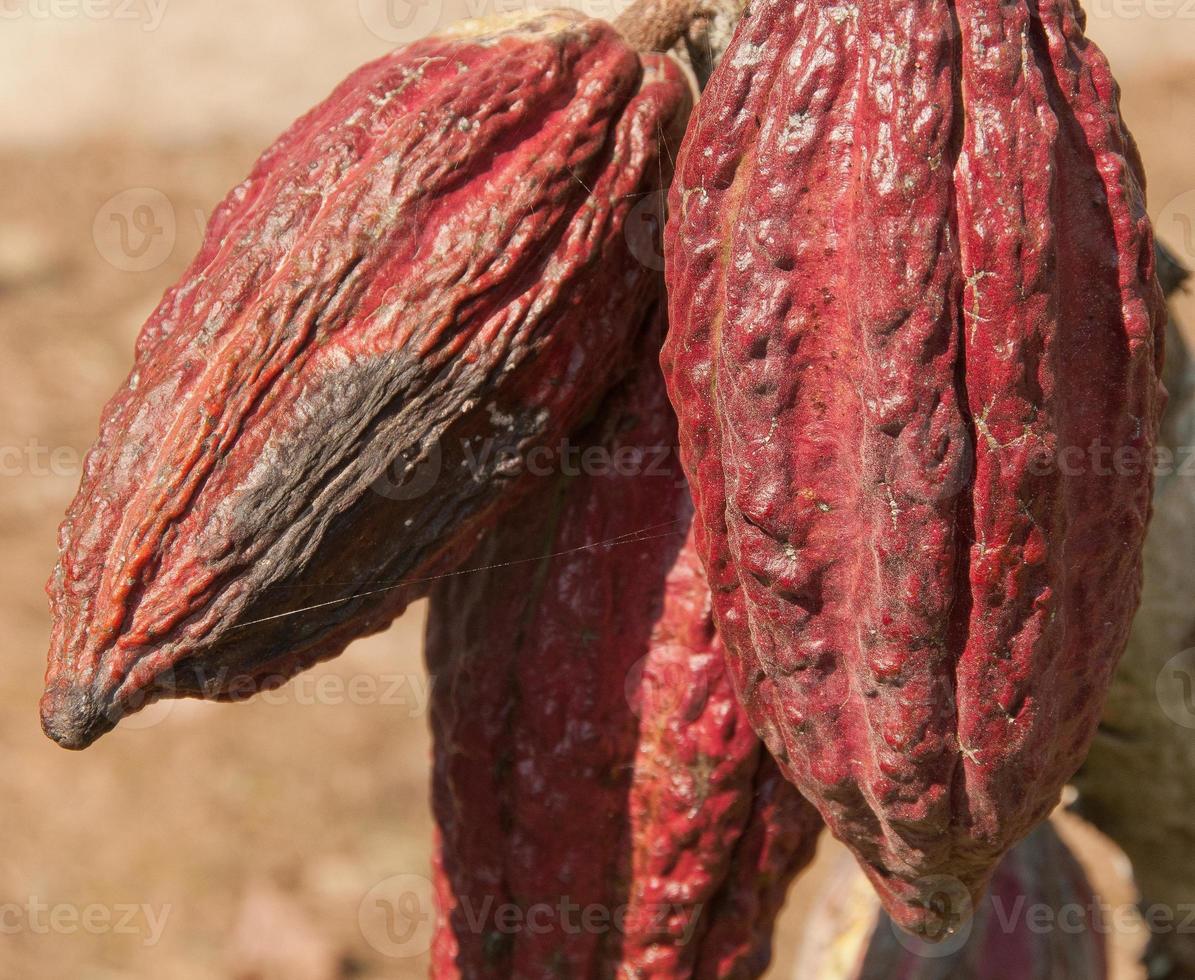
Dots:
pixel 73 716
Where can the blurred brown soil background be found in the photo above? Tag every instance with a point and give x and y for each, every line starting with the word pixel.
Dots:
pixel 250 840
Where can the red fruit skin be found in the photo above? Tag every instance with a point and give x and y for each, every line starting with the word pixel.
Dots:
pixel 716 833
pixel 431 264
pixel 778 842
pixel 694 766
pixel 445 950
pixel 589 750
pixel 911 277
pixel 533 731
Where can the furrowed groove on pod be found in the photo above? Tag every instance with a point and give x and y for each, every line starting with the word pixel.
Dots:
pixel 912 293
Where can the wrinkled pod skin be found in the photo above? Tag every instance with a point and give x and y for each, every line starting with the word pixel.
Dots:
pixel 910 277
pixel 589 750
pixel 425 279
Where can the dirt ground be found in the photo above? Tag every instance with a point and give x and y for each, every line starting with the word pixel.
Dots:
pixel 252 840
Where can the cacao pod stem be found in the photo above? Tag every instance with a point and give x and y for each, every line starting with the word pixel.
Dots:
pixel 656 25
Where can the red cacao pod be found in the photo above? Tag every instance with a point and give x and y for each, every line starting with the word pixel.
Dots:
pixel 1041 920
pixel 716 832
pixel 1135 784
pixel 910 278
pixel 430 263
pixel 590 754
pixel 777 843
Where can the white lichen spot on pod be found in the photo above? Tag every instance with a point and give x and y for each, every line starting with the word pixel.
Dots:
pixel 842 13
pixel 775 424
pixel 884 166
pixel 748 55
pixel 798 130
pixel 447 240
pixel 884 96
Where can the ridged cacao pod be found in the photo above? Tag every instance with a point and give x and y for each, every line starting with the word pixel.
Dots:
pixel 1136 784
pixel 912 288
pixel 777 843
pixel 430 264
pixel 589 751
pixel 1040 921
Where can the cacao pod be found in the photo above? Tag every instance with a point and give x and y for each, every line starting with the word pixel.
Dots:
pixel 1040 921
pixel 1136 784
pixel 713 847
pixel 589 752
pixel 777 843
pixel 910 278
pixel 429 269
